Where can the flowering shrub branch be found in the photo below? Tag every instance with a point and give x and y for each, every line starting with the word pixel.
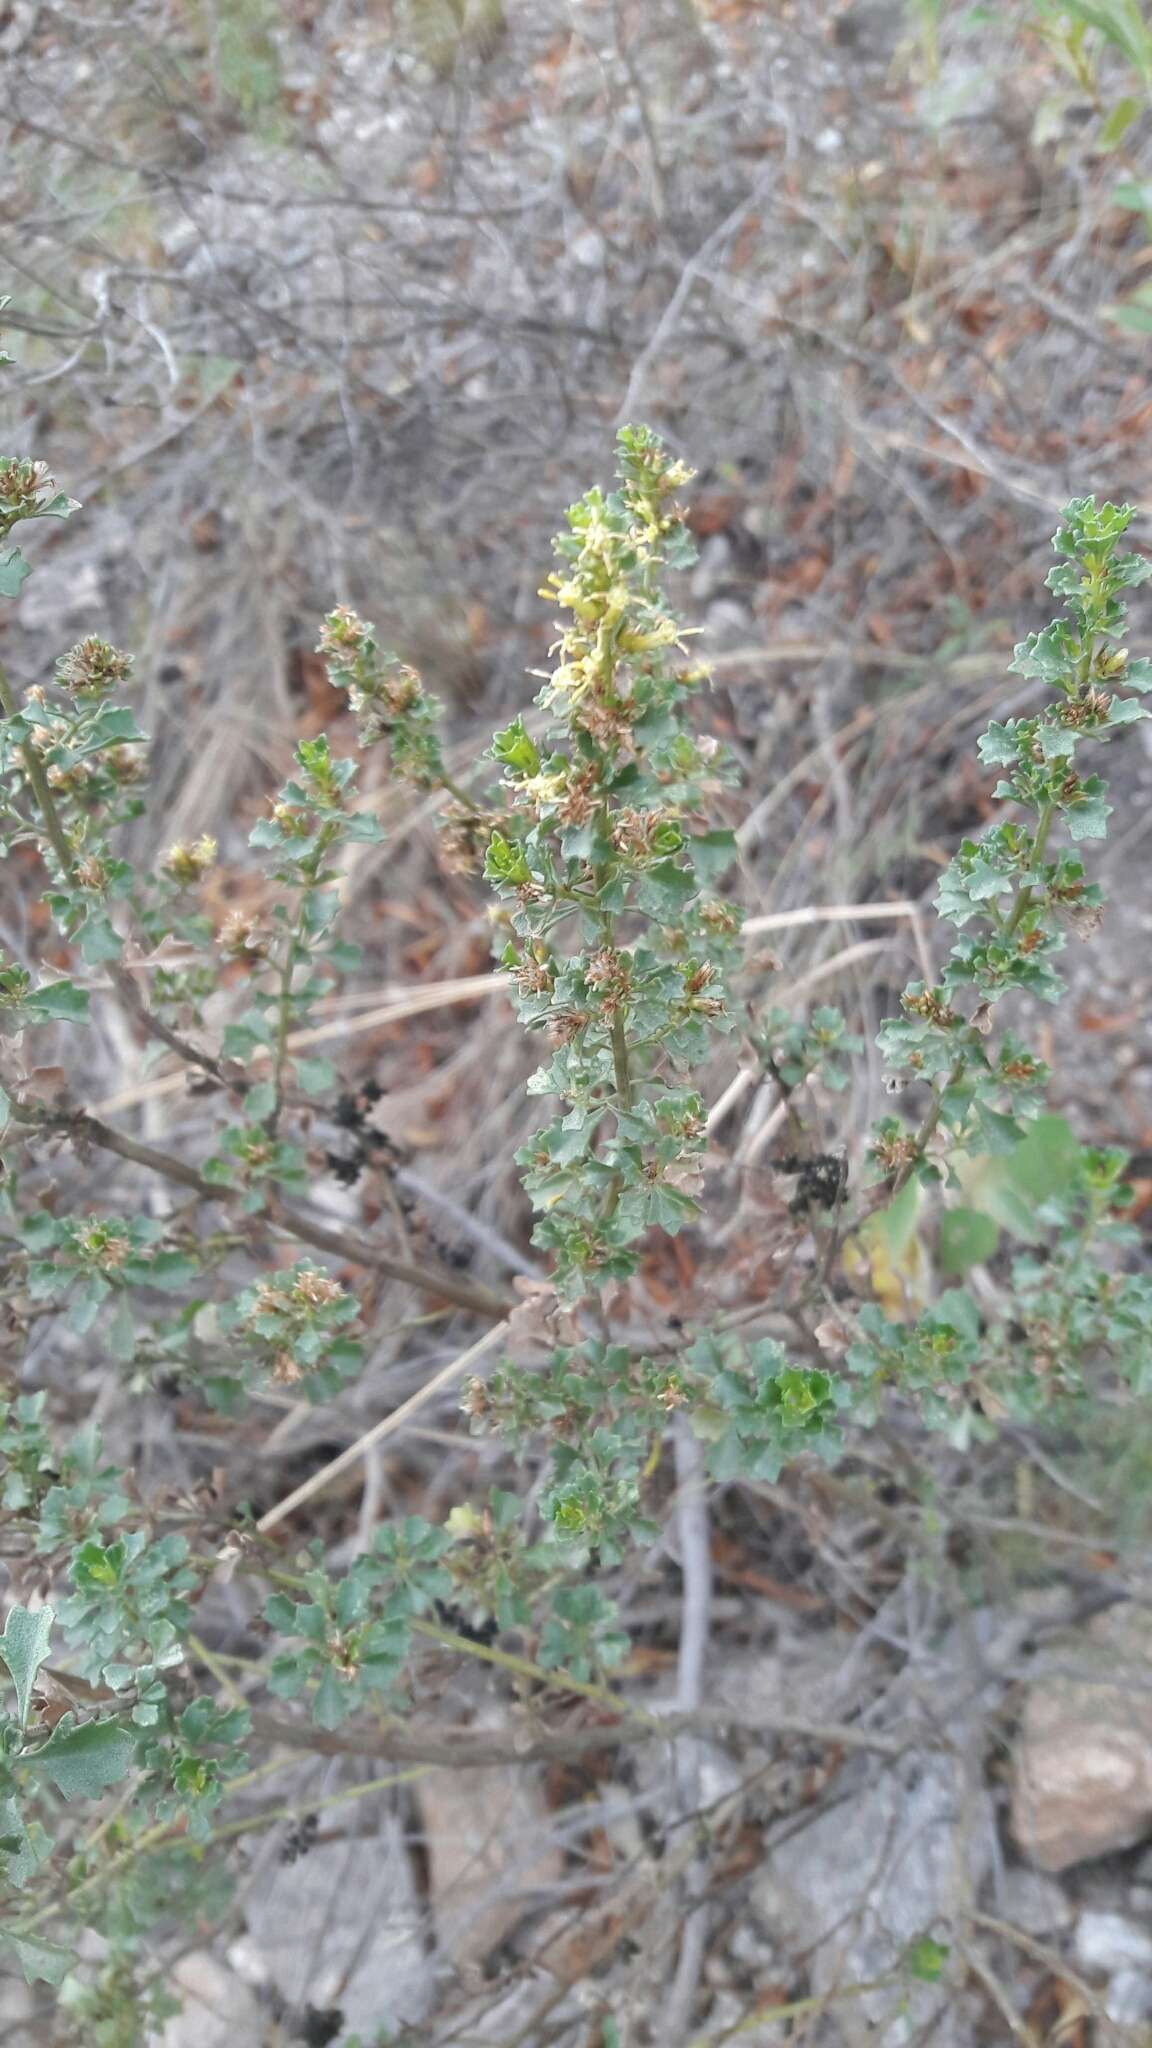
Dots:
pixel 600 843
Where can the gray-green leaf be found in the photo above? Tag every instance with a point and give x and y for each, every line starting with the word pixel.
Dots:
pixel 40 1960
pixel 24 1648
pixel 82 1761
pixel 13 570
pixel 58 999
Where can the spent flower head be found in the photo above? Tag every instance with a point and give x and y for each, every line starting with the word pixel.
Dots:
pixel 387 697
pixel 187 862
pixel 92 668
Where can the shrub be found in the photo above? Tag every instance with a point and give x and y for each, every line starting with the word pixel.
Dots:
pixel 599 843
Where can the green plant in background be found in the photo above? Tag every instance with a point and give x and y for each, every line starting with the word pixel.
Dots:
pixel 1082 35
pixel 599 842
pixel 240 39
pixel 1103 51
pixel 442 32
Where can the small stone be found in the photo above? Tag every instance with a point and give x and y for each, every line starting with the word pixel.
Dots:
pixel 721 1777
pixel 245 1958
pixel 217 2007
pixel 1108 1942
pixel 588 249
pixel 1082 1781
pixel 1128 1999
pixel 343 1926
pixel 753 1949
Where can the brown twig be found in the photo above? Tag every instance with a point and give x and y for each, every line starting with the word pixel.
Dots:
pixel 468 1749
pixel 78 1125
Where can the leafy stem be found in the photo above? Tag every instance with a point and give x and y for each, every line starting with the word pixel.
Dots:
pixel 294 949
pixel 41 789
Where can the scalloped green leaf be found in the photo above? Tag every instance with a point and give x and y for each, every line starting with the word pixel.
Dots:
pixel 24 1648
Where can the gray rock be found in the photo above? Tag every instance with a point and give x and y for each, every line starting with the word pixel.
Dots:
pixel 1107 1942
pixel 1034 1903
pixel 811 1672
pixel 342 1926
pixel 489 1851
pixel 873 1873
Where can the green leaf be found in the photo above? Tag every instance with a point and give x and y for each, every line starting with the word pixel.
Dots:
pixel 330 1706
pixel 895 1225
pixel 926 1959
pixel 1137 198
pixel 670 1209
pixel 1087 815
pixel 24 1648
pixel 966 1239
pixel 260 1101
pixel 83 1761
pixel 59 507
pixel 114 725
pixel 240 1041
pixel 665 888
pixel 170 1271
pixel 122 1332
pixel 1121 23
pixel 1119 121
pixel 316 1077
pixel 87 1301
pixel 1131 313
pixel 1047 1161
pixel 280 1613
pixel 99 940
pixel 504 863
pixel 998 747
pixel 711 854
pixel 13 570
pixel 1009 1187
pixel 59 999
pixel 515 748
pixel 26 1848
pixel 42 1961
